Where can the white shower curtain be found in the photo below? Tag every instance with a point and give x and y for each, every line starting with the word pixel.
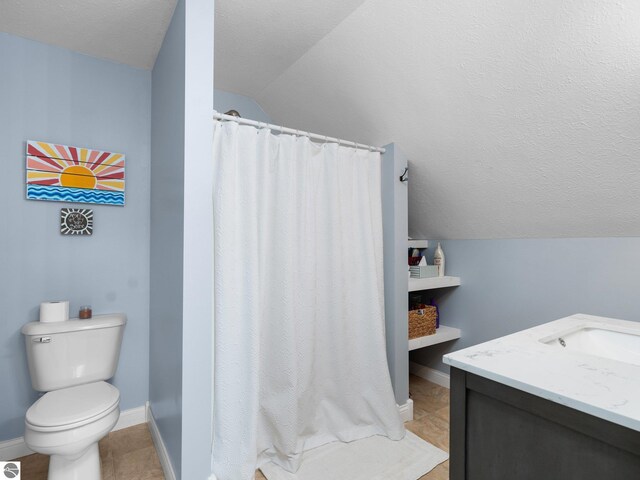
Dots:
pixel 299 328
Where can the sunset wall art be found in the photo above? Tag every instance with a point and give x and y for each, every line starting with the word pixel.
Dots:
pixel 62 173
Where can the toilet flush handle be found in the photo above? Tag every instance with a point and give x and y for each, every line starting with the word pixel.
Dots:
pixel 42 340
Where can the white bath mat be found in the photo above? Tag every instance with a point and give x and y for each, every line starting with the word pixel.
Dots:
pixel 373 458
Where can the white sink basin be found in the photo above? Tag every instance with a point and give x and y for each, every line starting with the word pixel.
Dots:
pixel 620 344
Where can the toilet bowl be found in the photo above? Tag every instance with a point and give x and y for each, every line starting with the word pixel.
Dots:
pixel 68 424
pixel 70 361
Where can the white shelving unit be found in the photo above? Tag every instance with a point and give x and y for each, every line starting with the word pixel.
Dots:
pixel 443 334
pixel 417 284
pixel 418 243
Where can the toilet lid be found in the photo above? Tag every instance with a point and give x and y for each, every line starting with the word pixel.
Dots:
pixel 73 404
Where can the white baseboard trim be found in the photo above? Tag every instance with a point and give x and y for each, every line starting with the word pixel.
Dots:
pixel 163 455
pixel 406 411
pixel 13 449
pixel 16 448
pixel 133 416
pixel 435 376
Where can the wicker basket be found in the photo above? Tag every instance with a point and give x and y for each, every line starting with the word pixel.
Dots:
pixel 422 321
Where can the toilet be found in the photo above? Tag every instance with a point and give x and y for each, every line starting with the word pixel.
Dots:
pixel 70 361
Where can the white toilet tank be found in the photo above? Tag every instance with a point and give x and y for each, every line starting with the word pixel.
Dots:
pixel 64 354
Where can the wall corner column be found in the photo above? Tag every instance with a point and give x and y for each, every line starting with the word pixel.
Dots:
pixel 197 335
pixel 396 282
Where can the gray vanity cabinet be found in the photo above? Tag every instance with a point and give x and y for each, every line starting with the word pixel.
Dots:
pixel 501 433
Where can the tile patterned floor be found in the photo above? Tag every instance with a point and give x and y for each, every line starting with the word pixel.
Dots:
pixel 127 454
pixel 430 421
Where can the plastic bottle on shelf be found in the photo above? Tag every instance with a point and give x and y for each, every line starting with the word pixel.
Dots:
pixel 438 260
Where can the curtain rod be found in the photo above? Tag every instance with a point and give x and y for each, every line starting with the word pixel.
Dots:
pixel 315 136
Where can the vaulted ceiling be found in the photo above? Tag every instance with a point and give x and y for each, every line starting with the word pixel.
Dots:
pixel 520 118
pixel 124 31
pixel 256 40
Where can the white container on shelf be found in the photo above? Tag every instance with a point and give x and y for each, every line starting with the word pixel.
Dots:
pixel 423 271
pixel 438 260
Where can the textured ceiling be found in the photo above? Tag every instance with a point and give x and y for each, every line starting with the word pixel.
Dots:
pixel 256 40
pixel 124 31
pixel 520 118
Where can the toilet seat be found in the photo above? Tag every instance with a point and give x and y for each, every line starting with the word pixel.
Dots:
pixel 72 407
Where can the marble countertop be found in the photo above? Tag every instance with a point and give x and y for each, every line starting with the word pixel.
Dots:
pixel 599 386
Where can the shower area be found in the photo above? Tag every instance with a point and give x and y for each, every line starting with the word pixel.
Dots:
pixel 274 334
pixel 301 348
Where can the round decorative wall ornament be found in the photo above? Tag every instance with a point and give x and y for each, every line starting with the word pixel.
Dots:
pixel 76 221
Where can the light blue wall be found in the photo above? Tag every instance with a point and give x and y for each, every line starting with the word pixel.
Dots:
pixel 55 95
pixel 394 223
pixel 510 285
pixel 167 219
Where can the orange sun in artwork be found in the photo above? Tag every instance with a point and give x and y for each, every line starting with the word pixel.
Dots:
pixel 77 176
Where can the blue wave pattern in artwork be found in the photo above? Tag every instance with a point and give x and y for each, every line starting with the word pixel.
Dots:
pixel 78 195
